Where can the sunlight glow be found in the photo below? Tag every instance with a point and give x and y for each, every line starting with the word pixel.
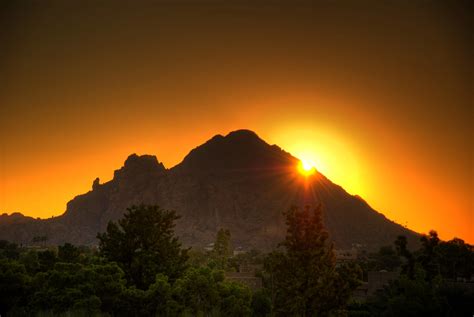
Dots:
pixel 306 167
pixel 326 149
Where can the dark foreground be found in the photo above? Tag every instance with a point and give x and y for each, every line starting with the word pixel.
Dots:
pixel 141 269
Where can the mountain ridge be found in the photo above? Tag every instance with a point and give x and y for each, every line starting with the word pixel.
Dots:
pixel 237 181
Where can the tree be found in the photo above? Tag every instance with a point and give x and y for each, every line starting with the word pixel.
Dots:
pixel 143 244
pixel 156 301
pixel 14 284
pixel 196 291
pixel 68 286
pixel 108 284
pixel 456 259
pixel 68 253
pixel 222 249
pixel 421 290
pixel 30 260
pixel 46 259
pixel 236 299
pixel 429 258
pixel 160 293
pixel 9 250
pixel 197 257
pixel 386 259
pixel 203 291
pixel 407 296
pixel 306 280
pixel 261 304
pixel 401 245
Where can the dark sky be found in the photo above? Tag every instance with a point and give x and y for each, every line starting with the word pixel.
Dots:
pixel 387 84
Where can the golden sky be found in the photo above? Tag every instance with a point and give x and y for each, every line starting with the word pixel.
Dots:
pixel 376 93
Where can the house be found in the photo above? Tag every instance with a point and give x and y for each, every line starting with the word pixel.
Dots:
pixel 246 276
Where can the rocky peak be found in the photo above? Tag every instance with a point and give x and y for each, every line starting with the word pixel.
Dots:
pixel 239 150
pixel 96 184
pixel 15 217
pixel 244 135
pixel 140 164
pixel 237 181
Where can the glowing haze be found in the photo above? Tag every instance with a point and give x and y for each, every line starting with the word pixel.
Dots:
pixel 375 96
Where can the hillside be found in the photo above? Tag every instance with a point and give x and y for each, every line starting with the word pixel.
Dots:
pixel 236 181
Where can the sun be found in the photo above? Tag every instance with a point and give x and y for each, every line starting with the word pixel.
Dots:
pixel 306 167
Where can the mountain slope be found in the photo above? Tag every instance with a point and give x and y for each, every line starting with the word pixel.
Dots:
pixel 237 182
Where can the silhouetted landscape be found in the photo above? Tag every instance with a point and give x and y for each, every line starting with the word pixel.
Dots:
pixel 222 234
pixel 238 182
pixel 236 158
pixel 141 269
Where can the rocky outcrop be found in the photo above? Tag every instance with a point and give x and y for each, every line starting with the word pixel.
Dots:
pixel 236 181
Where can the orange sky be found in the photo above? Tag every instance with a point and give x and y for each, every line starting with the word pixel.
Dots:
pixel 377 95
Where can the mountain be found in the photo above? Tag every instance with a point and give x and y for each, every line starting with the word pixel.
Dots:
pixel 237 181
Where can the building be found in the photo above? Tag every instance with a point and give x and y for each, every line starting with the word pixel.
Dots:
pixel 346 255
pixel 376 281
pixel 246 276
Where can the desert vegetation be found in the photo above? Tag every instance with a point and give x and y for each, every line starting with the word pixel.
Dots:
pixel 140 268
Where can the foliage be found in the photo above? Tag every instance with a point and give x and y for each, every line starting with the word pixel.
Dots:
pixel 304 279
pixel 72 286
pixel 385 259
pixel 14 285
pixel 222 250
pixel 9 250
pixel 300 279
pixel 143 244
pixel 261 303
pixel 428 285
pixel 197 257
pixel 420 297
pixel 456 259
pixel 196 292
pixel 68 253
pixel 30 260
pixel 408 267
pixel 46 259
pixel 235 299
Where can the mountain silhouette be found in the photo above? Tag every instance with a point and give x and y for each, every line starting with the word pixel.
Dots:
pixel 237 181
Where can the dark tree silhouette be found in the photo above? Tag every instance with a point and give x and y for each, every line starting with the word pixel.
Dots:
pixel 143 244
pixel 401 245
pixel 222 250
pixel 305 279
pixel 456 259
pixel 68 253
pixel 429 258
